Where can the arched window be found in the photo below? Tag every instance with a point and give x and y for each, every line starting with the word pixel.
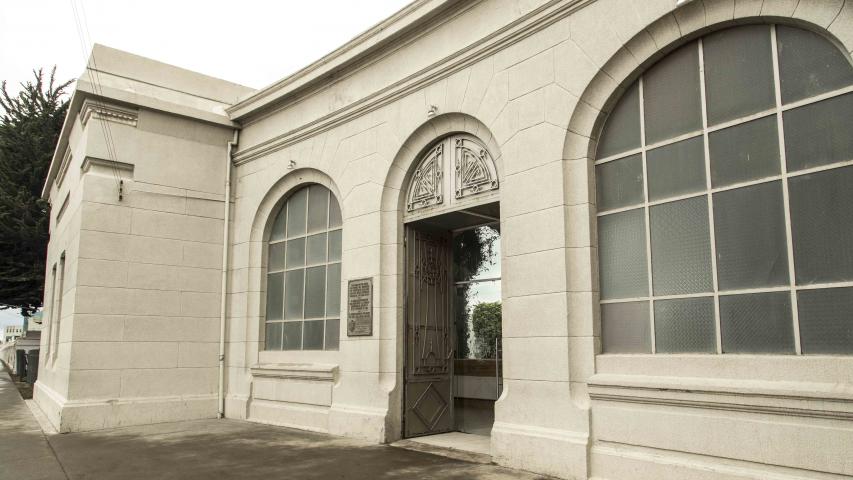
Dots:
pixel 304 273
pixel 724 183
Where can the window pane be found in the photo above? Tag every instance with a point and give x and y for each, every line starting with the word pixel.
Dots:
pixel 822 225
pixel 738 72
pixel 296 213
pixel 315 292
pixel 275 260
pixel 809 64
pixel 333 334
pixel 681 247
pixel 275 290
pixel 272 338
pixel 316 249
pixel 334 213
pixel 685 326
pixel 671 95
pixel 292 335
pixel 296 252
pixel 819 134
pixel 312 336
pixel 318 208
pixel 749 226
pixel 625 328
pixel 622 255
pixel 622 130
pixel 278 225
pixel 335 246
pixel 757 323
pixel 293 294
pixel 333 290
pixel 744 152
pixel 826 320
pixel 676 169
pixel 619 183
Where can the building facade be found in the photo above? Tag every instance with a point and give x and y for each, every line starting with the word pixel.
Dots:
pixel 611 237
pixel 11 332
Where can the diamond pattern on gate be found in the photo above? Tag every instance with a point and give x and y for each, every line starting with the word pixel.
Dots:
pixel 422 403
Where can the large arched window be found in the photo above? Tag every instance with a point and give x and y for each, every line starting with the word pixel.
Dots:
pixel 304 273
pixel 724 183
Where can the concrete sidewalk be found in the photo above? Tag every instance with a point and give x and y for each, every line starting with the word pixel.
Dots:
pixel 210 449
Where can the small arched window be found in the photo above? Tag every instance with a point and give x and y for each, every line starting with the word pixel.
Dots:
pixel 724 183
pixel 304 273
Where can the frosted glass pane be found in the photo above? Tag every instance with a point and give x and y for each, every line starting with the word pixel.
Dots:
pixel 681 247
pixel 292 335
pixel 676 169
pixel 333 334
pixel 275 291
pixel 272 336
pixel 738 72
pixel 296 213
pixel 809 64
pixel 757 323
pixel 625 328
pixel 826 321
pixel 819 134
pixel 315 292
pixel 275 259
pixel 296 252
pixel 334 213
pixel 317 249
pixel 622 255
pixel 333 290
pixel 622 129
pixel 619 183
pixel 278 225
pixel 671 95
pixel 293 286
pixel 312 335
pixel 685 326
pixel 335 246
pixel 748 151
pixel 822 225
pixel 749 226
pixel 318 208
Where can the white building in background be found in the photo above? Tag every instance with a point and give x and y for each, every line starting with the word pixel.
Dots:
pixel 11 332
pixel 609 237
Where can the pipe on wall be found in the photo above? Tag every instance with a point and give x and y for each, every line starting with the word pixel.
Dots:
pixel 224 291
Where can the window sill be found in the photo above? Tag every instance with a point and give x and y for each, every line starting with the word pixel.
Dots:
pixel 297 371
pixel 294 357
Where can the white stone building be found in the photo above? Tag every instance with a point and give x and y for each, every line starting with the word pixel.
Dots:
pixel 11 332
pixel 657 195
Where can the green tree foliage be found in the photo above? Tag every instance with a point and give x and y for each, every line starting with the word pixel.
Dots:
pixel 30 123
pixel 486 319
pixel 473 252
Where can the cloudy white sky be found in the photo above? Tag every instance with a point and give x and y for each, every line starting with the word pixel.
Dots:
pixel 251 42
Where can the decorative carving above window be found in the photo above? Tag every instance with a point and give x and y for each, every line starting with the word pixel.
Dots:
pixel 475 170
pixel 425 189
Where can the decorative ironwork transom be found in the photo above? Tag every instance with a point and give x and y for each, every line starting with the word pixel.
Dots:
pixel 475 170
pixel 426 186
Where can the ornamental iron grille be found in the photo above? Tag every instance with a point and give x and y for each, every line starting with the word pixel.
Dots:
pixel 475 170
pixel 426 186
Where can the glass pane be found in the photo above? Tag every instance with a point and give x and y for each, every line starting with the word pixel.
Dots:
pixel 318 208
pixel 622 130
pixel 757 323
pixel 622 255
pixel 676 169
pixel 316 249
pixel 275 261
pixel 685 326
pixel 744 152
pixel 334 213
pixel 333 334
pixel 809 64
pixel 275 291
pixel 478 319
pixel 819 134
pixel 681 247
pixel 272 337
pixel 293 294
pixel 749 226
pixel 738 72
pixel 277 232
pixel 292 335
pixel 312 336
pixel 619 183
pixel 296 213
pixel 822 225
pixel 477 254
pixel 625 328
pixel 296 252
pixel 826 320
pixel 671 95
pixel 333 290
pixel 315 292
pixel 335 246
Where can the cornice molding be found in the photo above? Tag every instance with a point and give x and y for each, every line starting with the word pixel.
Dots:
pixel 112 165
pixel 107 112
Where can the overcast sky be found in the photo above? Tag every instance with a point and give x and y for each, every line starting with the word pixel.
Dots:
pixel 251 42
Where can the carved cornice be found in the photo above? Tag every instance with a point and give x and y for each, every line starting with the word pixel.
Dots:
pixel 107 112
pixel 93 162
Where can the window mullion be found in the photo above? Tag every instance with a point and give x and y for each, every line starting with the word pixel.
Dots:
pixel 646 212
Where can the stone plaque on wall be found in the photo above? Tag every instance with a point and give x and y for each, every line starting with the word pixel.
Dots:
pixel 360 307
